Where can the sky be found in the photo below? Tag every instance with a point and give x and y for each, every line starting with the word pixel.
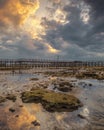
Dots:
pixel 68 29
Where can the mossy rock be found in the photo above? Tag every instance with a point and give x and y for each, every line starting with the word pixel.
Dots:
pixel 51 101
pixel 2 99
pixel 34 79
pixel 11 110
pixel 65 86
pixel 11 97
pixel 89 75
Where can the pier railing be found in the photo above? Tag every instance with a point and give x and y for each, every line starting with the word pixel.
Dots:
pixel 23 64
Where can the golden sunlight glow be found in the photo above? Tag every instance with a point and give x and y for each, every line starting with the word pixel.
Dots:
pixel 24 119
pixel 34 28
pixel 17 11
pixel 60 16
pixel 60 117
pixel 51 49
pixel 23 14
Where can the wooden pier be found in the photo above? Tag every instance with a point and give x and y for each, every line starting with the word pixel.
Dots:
pixel 26 64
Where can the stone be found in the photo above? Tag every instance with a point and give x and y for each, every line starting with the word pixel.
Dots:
pixel 35 123
pixel 11 110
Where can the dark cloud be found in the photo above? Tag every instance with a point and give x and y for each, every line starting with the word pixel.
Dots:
pixel 97 7
pixel 74 31
pixel 85 40
pixel 96 16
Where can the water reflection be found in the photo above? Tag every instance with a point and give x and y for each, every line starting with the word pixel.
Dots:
pixel 85 112
pixel 92 111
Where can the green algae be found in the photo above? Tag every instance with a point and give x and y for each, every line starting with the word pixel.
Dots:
pixel 51 101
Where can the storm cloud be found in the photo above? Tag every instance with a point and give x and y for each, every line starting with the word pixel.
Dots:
pixel 71 29
pixel 85 33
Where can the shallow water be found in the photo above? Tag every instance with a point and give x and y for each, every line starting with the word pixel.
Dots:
pixel 21 78
pixel 93 99
pixel 89 91
pixel 11 83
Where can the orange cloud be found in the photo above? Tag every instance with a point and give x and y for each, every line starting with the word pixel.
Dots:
pixel 51 49
pixel 15 12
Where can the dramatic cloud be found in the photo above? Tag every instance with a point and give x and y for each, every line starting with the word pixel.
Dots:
pixel 71 29
pixel 16 11
pixel 80 30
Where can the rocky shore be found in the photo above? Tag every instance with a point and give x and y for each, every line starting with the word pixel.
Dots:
pixel 50 92
pixel 56 99
pixel 79 73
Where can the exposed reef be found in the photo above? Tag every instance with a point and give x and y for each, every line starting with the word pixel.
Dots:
pixel 51 101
